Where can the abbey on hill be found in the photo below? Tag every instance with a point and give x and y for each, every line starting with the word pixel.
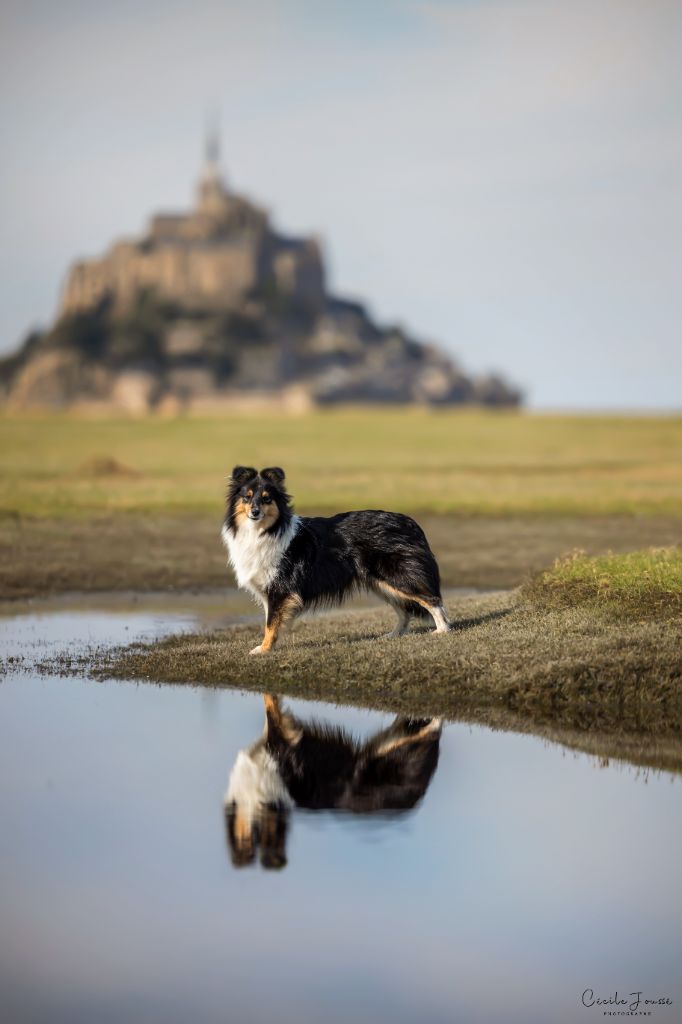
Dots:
pixel 213 257
pixel 216 309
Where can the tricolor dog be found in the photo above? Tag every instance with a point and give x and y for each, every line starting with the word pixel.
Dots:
pixel 294 563
pixel 315 766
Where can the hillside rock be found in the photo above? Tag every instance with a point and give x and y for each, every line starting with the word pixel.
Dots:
pixel 214 309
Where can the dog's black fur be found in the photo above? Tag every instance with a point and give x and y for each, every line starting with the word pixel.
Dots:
pixel 323 768
pixel 323 560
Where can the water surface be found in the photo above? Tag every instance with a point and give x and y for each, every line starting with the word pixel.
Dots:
pixel 524 876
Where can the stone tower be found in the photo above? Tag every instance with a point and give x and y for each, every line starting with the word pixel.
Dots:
pixel 212 197
pixel 212 257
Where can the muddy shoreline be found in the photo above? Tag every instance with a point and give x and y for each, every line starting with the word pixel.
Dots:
pixel 165 553
pixel 610 690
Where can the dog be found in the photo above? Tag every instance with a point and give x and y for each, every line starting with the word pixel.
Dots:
pixel 316 767
pixel 294 563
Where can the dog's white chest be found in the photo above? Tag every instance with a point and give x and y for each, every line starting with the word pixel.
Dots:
pixel 255 781
pixel 256 556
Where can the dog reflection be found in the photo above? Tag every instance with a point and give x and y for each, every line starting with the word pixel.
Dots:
pixel 319 767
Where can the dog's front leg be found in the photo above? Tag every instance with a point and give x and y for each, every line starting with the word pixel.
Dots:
pixel 281 609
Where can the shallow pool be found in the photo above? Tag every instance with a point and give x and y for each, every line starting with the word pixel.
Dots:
pixel 523 876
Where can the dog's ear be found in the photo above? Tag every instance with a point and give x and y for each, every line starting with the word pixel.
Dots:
pixel 241 474
pixel 274 474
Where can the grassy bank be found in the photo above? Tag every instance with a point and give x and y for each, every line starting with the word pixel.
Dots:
pixel 512 656
pixel 570 664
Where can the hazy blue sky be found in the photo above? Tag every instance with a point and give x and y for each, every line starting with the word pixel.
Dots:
pixel 502 177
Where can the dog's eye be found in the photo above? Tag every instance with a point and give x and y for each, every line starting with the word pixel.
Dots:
pixel 267 501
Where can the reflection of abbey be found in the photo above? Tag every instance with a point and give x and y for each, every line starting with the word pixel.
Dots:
pixel 212 256
pixel 214 309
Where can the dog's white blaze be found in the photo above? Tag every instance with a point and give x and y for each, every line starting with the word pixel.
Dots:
pixel 255 556
pixel 255 781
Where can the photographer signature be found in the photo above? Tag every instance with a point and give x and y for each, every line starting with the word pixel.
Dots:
pixel 633 1002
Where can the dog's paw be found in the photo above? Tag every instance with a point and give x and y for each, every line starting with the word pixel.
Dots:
pixel 258 650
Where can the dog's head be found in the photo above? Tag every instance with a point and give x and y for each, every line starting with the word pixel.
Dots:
pixel 257 806
pixel 257 498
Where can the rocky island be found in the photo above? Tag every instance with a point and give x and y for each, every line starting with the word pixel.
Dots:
pixel 215 309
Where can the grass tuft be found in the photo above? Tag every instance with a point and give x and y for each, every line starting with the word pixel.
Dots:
pixel 106 465
pixel 643 584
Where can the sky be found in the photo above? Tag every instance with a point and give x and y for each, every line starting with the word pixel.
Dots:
pixel 501 177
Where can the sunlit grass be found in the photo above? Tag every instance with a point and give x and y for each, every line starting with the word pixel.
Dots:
pixel 641 582
pixel 414 460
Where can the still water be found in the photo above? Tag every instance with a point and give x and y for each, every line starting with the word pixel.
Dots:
pixel 516 876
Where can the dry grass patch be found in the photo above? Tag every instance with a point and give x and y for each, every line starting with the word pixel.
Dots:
pixel 106 465
pixel 570 667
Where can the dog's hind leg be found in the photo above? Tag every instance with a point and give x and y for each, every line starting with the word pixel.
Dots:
pixel 439 616
pixel 400 598
pixel 402 626
pixel 402 727
pixel 431 729
pixel 401 609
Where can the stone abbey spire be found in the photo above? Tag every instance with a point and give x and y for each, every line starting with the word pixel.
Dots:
pixel 212 150
pixel 212 192
pixel 213 145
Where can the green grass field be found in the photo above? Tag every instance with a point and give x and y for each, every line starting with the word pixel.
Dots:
pixel 413 460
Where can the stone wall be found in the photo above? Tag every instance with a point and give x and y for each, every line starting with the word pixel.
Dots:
pixel 216 275
pixel 196 259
